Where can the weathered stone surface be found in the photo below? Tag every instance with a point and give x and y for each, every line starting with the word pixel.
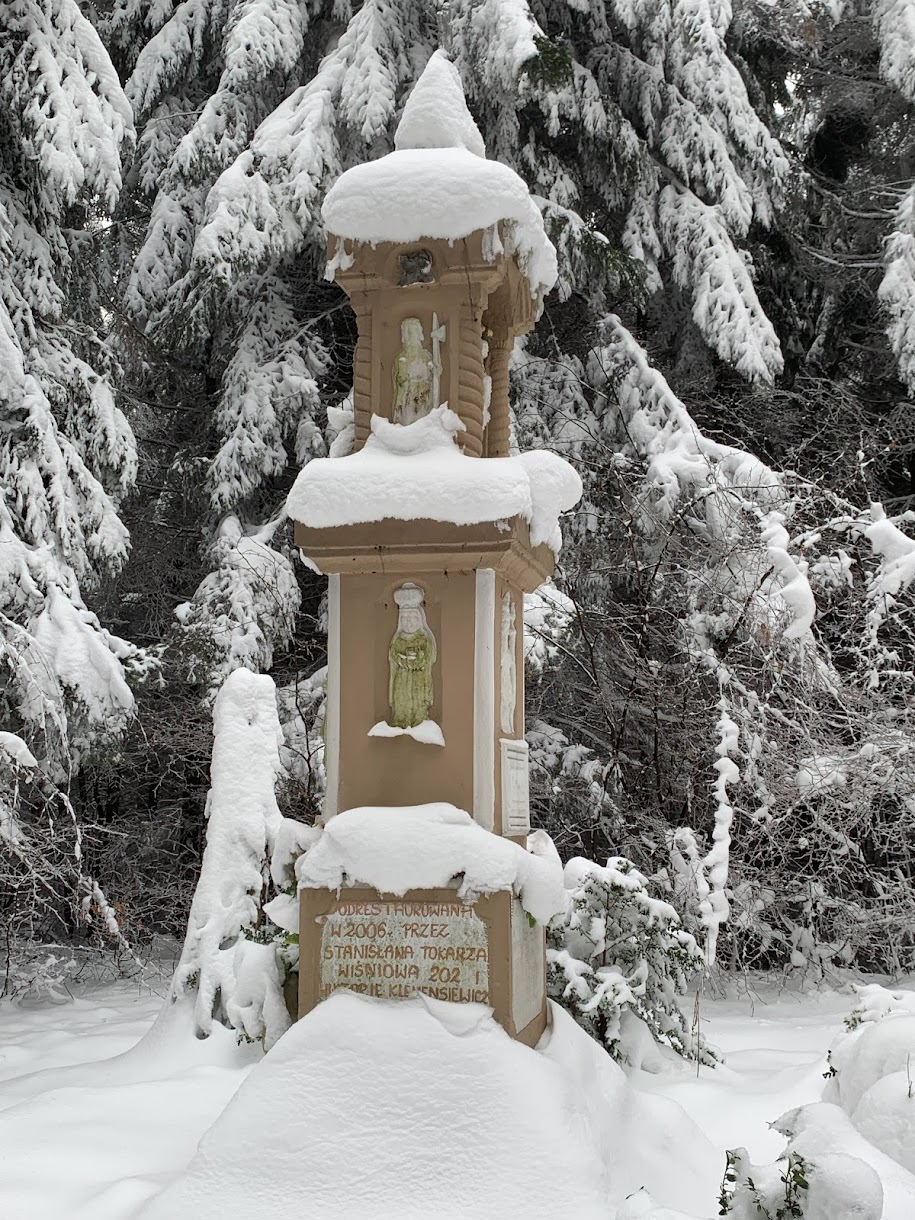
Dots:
pixel 394 949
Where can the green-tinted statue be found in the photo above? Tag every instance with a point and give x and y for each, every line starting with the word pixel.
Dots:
pixel 411 656
pixel 416 373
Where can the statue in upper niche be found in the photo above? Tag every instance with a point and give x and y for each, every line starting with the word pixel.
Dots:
pixel 416 373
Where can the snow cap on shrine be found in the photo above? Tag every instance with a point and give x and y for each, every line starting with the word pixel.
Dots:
pixel 438 184
pixel 436 113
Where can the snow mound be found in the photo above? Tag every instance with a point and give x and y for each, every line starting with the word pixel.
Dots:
pixel 436 114
pixel 396 849
pixel 418 1108
pixel 867 1054
pixel 885 1115
pixel 850 1179
pixel 873 1072
pixel 382 481
pixel 441 193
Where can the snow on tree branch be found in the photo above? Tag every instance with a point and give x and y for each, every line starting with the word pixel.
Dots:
pixel 492 42
pixel 242 610
pixel 680 458
pixel 897 291
pixel 715 907
pixel 894 25
pixel 707 267
pixel 793 587
pixel 689 144
pixel 62 99
pixel 268 385
pixel 172 53
pixel 687 40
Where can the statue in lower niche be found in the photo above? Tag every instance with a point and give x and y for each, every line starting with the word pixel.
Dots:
pixel 416 373
pixel 411 655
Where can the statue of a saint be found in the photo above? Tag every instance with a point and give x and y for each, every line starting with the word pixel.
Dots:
pixel 416 375
pixel 411 655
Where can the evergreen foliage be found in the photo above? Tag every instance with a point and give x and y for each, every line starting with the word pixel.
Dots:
pixel 619 960
pixel 67 452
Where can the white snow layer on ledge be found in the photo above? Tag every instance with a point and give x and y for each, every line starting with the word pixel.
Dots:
pixel 417 847
pixel 428 733
pixel 416 472
pixel 419 1108
pixel 448 193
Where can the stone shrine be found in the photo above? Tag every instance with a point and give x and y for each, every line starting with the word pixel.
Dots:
pixel 430 534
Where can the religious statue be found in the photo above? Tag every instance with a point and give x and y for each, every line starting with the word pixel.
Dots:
pixel 416 372
pixel 411 655
pixel 508 679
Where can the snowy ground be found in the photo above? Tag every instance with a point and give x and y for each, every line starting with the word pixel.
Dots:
pixel 98 1141
pixel 774 1042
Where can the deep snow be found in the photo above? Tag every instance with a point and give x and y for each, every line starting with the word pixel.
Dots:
pixel 96 1140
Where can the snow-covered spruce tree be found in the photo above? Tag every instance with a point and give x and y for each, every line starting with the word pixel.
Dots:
pixel 670 585
pixel 213 405
pixel 838 277
pixel 226 375
pixel 67 453
pixel 709 677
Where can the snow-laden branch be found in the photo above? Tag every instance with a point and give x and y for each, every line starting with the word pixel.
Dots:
pixel 897 291
pixel 707 266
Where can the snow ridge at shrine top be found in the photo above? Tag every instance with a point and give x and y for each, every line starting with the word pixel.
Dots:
pixel 417 472
pixel 439 184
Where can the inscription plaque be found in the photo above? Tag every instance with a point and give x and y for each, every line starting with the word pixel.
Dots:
pixel 516 805
pixel 394 949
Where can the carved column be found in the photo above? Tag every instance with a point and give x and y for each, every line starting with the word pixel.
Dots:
pixel 498 430
pixel 362 373
pixel 470 379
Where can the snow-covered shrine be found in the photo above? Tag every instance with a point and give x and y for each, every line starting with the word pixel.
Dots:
pixel 426 877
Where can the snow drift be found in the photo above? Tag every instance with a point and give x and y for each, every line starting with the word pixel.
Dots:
pixel 417 1108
